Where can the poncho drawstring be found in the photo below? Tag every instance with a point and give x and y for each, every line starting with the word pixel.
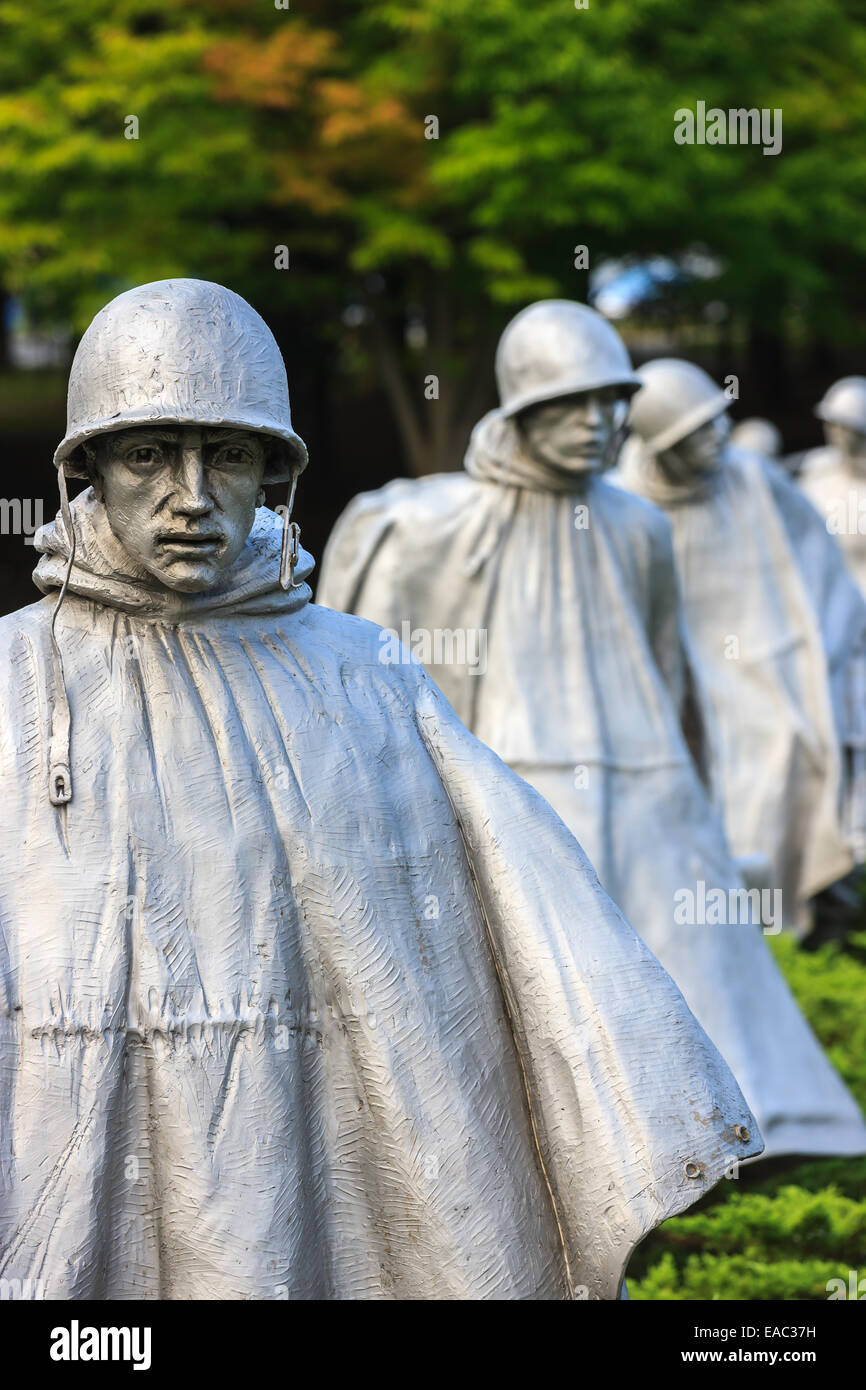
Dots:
pixel 59 773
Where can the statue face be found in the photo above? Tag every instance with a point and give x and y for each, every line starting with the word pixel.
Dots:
pixel 574 433
pixel 850 443
pixel 699 454
pixel 181 500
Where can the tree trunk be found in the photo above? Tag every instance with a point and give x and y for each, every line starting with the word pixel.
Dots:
pixel 766 352
pixel 434 429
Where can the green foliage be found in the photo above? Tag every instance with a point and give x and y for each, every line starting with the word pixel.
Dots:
pixel 780 1234
pixel 830 986
pixel 737 1278
pixel 556 129
pixel 85 211
pixel 306 127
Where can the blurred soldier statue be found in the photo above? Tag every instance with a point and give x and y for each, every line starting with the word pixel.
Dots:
pixel 304 994
pixel 834 478
pixel 776 631
pixel 572 583
pixel 758 437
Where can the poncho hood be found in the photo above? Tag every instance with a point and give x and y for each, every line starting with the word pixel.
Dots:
pixel 639 470
pixel 105 573
pixel 497 454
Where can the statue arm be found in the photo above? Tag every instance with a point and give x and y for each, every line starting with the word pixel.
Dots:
pixel 350 552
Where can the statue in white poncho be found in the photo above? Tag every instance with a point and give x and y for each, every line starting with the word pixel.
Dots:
pixel 545 603
pixel 777 637
pixel 303 994
pixel 834 477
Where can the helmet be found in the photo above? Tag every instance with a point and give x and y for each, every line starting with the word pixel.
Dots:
pixel 558 348
pixel 179 352
pixel 675 399
pixel 845 404
pixel 758 437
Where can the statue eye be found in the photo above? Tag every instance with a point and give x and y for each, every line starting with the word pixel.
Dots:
pixel 232 456
pixel 144 454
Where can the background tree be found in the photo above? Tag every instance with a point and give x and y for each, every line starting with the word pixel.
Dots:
pixel 307 128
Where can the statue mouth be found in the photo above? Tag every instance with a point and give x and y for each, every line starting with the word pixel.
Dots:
pixel 188 543
pixel 586 445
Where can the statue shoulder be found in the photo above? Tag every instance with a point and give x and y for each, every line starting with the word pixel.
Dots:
pixel 349 641
pixel 414 499
pixel 30 624
pixel 391 521
pixel 26 664
pixel 818 463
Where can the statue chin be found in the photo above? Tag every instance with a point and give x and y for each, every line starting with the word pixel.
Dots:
pixel 179 572
pixel 194 584
pixel 687 471
pixel 590 461
pixel 188 578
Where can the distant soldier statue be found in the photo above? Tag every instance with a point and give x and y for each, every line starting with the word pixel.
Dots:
pixel 776 630
pixel 575 584
pixel 834 478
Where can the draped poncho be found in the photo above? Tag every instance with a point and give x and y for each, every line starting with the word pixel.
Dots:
pixel 304 994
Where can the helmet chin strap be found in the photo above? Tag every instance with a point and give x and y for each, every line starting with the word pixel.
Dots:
pixel 617 435
pixel 59 774
pixel 290 549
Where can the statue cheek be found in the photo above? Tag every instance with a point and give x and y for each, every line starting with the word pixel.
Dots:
pixel 131 519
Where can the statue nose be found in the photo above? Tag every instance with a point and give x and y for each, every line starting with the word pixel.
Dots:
pixel 192 497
